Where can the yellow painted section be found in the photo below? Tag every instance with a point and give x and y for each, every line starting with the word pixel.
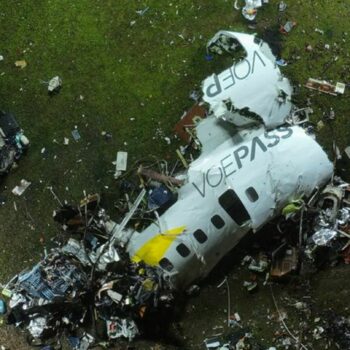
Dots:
pixel 154 249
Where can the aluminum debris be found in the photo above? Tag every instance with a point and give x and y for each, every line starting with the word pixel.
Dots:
pixel 19 190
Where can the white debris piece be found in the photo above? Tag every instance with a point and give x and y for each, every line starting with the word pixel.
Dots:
pixel 167 140
pixel 249 11
pixel 143 11
pixel 55 83
pixel 19 190
pixel 120 163
pixel 269 96
pixel 340 88
pixel 37 326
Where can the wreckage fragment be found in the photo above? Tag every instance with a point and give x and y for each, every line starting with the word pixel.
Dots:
pixel 250 9
pixel 325 87
pixel 82 278
pixel 13 142
pixel 251 88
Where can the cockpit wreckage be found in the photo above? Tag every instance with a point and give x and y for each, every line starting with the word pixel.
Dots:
pixel 257 159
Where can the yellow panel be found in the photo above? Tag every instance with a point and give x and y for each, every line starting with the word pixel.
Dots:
pixel 154 249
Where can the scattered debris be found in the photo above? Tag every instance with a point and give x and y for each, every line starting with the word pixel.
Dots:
pixel 317 30
pixel 54 85
pixel 300 116
pixel 76 134
pixel 106 135
pixel 143 11
pixel 285 29
pixel 21 64
pixel 238 338
pixel 282 6
pixel 250 10
pixel 250 285
pixel 281 62
pixel 324 86
pixel 13 142
pixel 120 163
pixel 19 190
pixel 86 277
pixel 159 177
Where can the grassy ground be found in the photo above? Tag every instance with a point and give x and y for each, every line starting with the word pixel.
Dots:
pixel 129 75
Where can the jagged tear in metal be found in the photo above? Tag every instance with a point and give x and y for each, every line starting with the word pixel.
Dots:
pixel 253 85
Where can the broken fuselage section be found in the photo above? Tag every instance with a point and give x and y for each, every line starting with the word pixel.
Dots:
pixel 252 165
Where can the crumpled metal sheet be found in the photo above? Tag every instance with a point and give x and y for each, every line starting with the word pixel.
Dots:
pixel 77 249
pixel 343 216
pixel 121 327
pixel 17 299
pixel 54 277
pixel 37 326
pixel 108 256
pixel 324 236
pixel 254 83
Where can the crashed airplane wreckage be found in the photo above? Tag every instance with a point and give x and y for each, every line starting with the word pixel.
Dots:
pixel 253 163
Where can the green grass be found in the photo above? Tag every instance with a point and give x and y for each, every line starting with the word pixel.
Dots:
pixel 143 71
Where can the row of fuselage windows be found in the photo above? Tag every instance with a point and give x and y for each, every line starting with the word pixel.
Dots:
pixel 233 206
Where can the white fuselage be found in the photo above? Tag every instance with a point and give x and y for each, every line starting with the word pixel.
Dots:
pixel 234 188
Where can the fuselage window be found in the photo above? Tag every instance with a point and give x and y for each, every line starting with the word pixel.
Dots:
pixel 200 236
pixel 183 250
pixel 234 207
pixel 217 221
pixel 165 264
pixel 252 194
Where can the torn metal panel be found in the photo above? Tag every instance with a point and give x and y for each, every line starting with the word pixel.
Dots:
pixel 324 236
pixel 255 83
pixel 189 120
